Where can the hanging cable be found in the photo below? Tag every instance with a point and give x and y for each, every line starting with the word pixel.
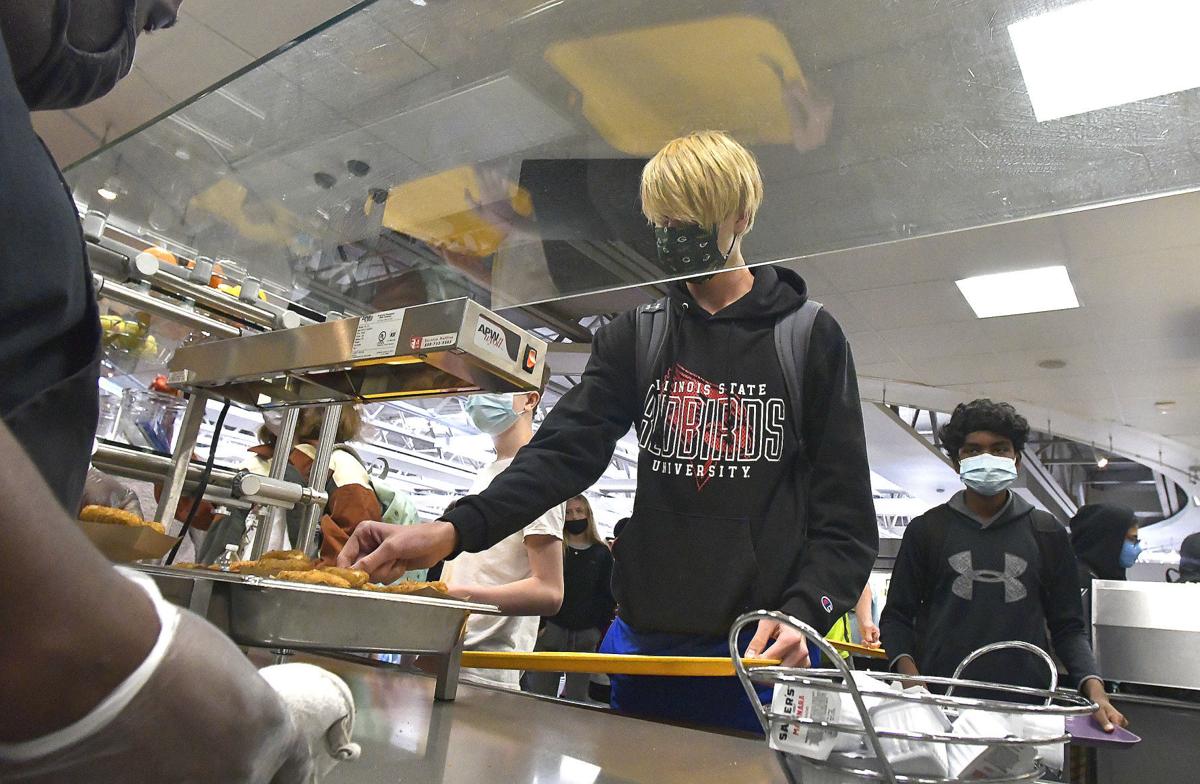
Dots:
pixel 203 483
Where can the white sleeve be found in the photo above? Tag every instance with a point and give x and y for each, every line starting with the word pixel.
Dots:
pixel 549 524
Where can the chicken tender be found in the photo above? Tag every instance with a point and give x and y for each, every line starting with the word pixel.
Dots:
pixel 356 577
pixel 314 577
pixel 283 555
pixel 269 567
pixel 112 516
pixel 406 587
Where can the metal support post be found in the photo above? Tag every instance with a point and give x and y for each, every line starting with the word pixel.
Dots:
pixel 181 458
pixel 279 463
pixel 318 478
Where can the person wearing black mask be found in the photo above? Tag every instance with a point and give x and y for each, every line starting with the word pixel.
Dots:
pixel 1189 561
pixel 55 55
pixel 588 603
pixel 104 681
pixel 1105 540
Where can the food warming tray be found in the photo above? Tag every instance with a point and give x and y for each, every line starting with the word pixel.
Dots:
pixel 287 616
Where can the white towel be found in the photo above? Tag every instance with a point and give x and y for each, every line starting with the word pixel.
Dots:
pixel 323 709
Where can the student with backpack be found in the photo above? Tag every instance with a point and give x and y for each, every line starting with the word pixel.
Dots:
pixel 987 567
pixel 753 486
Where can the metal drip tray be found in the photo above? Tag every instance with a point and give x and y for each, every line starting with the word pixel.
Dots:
pixel 451 347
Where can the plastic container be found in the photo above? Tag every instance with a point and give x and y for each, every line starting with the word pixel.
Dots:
pixel 970 761
pixel 911 756
pixel 849 741
pixel 799 702
pixel 1029 726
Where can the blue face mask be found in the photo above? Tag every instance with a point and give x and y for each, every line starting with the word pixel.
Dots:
pixel 491 414
pixel 987 474
pixel 1129 553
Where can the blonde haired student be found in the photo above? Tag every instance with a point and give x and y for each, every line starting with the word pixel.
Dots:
pixel 753 489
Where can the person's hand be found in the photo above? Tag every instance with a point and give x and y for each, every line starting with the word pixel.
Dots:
pixel 869 632
pixel 1107 716
pixel 205 714
pixel 773 640
pixel 386 551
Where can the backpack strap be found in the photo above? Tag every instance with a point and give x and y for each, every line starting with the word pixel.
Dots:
pixel 651 336
pixel 793 333
pixel 1045 526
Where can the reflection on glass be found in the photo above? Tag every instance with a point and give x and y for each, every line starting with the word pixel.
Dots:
pixel 419 152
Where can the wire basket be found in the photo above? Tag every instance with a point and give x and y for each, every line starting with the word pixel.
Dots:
pixel 876 765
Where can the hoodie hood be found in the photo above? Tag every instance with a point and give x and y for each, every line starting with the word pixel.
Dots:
pixel 1015 507
pixel 767 299
pixel 1097 534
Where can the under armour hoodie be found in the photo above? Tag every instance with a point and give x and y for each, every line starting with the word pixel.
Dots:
pixel 731 513
pixel 960 584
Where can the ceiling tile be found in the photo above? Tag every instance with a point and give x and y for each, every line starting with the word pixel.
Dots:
pixel 950 256
pixel 852 321
pixel 869 348
pixel 355 62
pixel 68 139
pixel 188 58
pixel 937 340
pixel 1132 228
pixel 893 371
pixel 131 103
pixel 912 305
pixel 263 26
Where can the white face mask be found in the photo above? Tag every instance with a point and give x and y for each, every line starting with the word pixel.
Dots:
pixel 273 420
pixel 987 474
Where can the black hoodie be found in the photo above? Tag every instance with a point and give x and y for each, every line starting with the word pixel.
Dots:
pixel 959 584
pixel 730 515
pixel 1097 536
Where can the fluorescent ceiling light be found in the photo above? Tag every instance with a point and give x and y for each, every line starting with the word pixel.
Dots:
pixel 1100 53
pixel 1023 291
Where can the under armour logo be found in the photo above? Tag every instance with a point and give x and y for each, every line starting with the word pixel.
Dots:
pixel 964 584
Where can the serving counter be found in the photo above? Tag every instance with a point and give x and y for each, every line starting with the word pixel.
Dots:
pixel 491 735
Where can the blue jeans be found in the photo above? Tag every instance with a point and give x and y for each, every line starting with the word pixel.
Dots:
pixel 714 702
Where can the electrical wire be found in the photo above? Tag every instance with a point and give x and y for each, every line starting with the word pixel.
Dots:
pixel 202 485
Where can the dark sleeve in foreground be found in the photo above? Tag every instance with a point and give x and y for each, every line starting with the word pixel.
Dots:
pixel 898 621
pixel 568 453
pixel 842 537
pixel 1063 606
pixel 605 605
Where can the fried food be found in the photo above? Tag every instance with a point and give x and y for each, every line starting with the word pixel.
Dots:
pixel 406 587
pixel 314 577
pixel 356 577
pixel 270 567
pixel 282 555
pixel 112 516
pixel 191 565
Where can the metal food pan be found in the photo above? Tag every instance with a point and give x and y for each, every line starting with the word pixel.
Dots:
pixel 273 613
pixel 297 616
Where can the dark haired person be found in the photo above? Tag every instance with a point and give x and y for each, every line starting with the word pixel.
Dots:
pixel 1105 540
pixel 987 567
pixel 1189 561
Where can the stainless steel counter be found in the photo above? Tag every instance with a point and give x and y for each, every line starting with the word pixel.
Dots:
pixel 489 735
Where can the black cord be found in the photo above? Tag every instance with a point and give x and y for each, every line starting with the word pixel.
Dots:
pixel 203 484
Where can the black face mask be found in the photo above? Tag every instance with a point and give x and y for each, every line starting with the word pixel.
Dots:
pixel 68 77
pixel 690 248
pixel 576 527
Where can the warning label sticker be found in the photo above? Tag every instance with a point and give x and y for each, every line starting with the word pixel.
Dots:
pixel 378 334
pixel 431 342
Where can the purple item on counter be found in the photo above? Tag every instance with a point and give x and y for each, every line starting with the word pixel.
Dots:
pixel 1086 732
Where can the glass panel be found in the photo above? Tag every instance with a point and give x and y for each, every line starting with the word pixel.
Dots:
pixel 418 151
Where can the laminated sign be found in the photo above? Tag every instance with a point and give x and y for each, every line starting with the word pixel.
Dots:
pixel 801 703
pixel 378 334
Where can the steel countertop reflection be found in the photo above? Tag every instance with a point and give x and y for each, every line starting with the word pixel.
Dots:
pixel 498 736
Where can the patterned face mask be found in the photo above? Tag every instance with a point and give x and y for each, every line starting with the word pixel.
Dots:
pixel 689 249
